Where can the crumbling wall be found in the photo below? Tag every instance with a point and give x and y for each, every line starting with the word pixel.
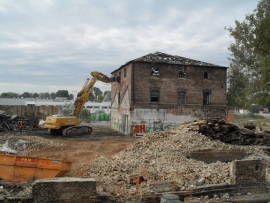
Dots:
pixel 31 112
pixel 65 190
pixel 249 175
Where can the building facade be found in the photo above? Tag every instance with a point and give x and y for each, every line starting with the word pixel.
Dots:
pixel 159 91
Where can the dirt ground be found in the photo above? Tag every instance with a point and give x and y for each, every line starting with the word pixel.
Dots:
pixel 81 150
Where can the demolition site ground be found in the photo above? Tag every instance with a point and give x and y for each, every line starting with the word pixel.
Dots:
pixel 182 161
pixel 81 150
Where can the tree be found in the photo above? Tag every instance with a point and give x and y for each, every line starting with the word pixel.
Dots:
pixel 100 97
pixel 97 92
pixel 26 95
pixel 70 96
pixel 46 95
pixel 85 115
pixel 250 52
pixel 62 93
pixel 53 95
pixel 9 95
pixel 35 95
pixel 67 109
pixel 238 87
pixel 91 97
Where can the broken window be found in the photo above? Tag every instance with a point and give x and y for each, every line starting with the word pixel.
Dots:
pixel 155 71
pixel 205 75
pixel 206 98
pixel 125 72
pixel 181 72
pixel 181 97
pixel 154 96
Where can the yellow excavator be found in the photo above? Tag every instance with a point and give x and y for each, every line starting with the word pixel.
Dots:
pixel 71 125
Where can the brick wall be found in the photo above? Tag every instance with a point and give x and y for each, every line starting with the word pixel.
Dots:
pixel 65 190
pixel 249 175
pixel 169 83
pixel 140 82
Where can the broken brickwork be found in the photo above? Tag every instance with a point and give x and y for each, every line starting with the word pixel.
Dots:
pixel 65 190
pixel 249 175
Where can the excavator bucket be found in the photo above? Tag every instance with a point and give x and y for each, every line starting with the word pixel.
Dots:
pixel 26 169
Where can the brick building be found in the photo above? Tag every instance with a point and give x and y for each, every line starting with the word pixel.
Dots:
pixel 159 91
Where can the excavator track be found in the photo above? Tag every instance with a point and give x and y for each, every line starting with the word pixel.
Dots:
pixel 77 130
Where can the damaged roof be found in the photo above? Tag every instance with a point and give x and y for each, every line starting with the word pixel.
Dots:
pixel 159 57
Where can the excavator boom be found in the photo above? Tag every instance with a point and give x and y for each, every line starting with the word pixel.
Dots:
pixel 83 95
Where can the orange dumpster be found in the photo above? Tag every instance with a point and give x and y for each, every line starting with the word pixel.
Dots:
pixel 25 169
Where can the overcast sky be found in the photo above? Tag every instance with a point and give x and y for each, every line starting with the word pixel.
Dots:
pixel 50 45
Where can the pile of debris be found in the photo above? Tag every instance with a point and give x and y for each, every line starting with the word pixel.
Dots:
pixel 159 162
pixel 229 133
pixel 11 122
pixel 15 190
pixel 10 143
pixel 8 122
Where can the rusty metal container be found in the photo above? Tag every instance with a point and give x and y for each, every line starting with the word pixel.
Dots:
pixel 26 169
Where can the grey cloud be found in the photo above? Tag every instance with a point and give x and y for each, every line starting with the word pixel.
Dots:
pixel 58 43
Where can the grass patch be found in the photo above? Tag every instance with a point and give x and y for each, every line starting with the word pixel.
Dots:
pixel 251 116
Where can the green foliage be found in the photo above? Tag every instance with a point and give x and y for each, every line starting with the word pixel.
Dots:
pixel 85 115
pixel 91 97
pixel 94 94
pixel 62 93
pixel 254 108
pixel 53 95
pixel 100 97
pixel 67 109
pixel 9 95
pixel 26 95
pixel 250 58
pixel 70 96
pixel 35 95
pixel 238 87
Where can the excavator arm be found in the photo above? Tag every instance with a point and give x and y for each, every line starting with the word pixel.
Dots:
pixel 83 95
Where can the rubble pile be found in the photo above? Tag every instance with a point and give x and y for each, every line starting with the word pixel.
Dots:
pixel 226 132
pixel 158 162
pixel 23 144
pixel 15 190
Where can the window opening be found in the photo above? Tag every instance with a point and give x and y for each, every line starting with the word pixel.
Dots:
pixel 181 97
pixel 181 73
pixel 206 98
pixel 155 71
pixel 154 96
pixel 205 75
pixel 125 72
